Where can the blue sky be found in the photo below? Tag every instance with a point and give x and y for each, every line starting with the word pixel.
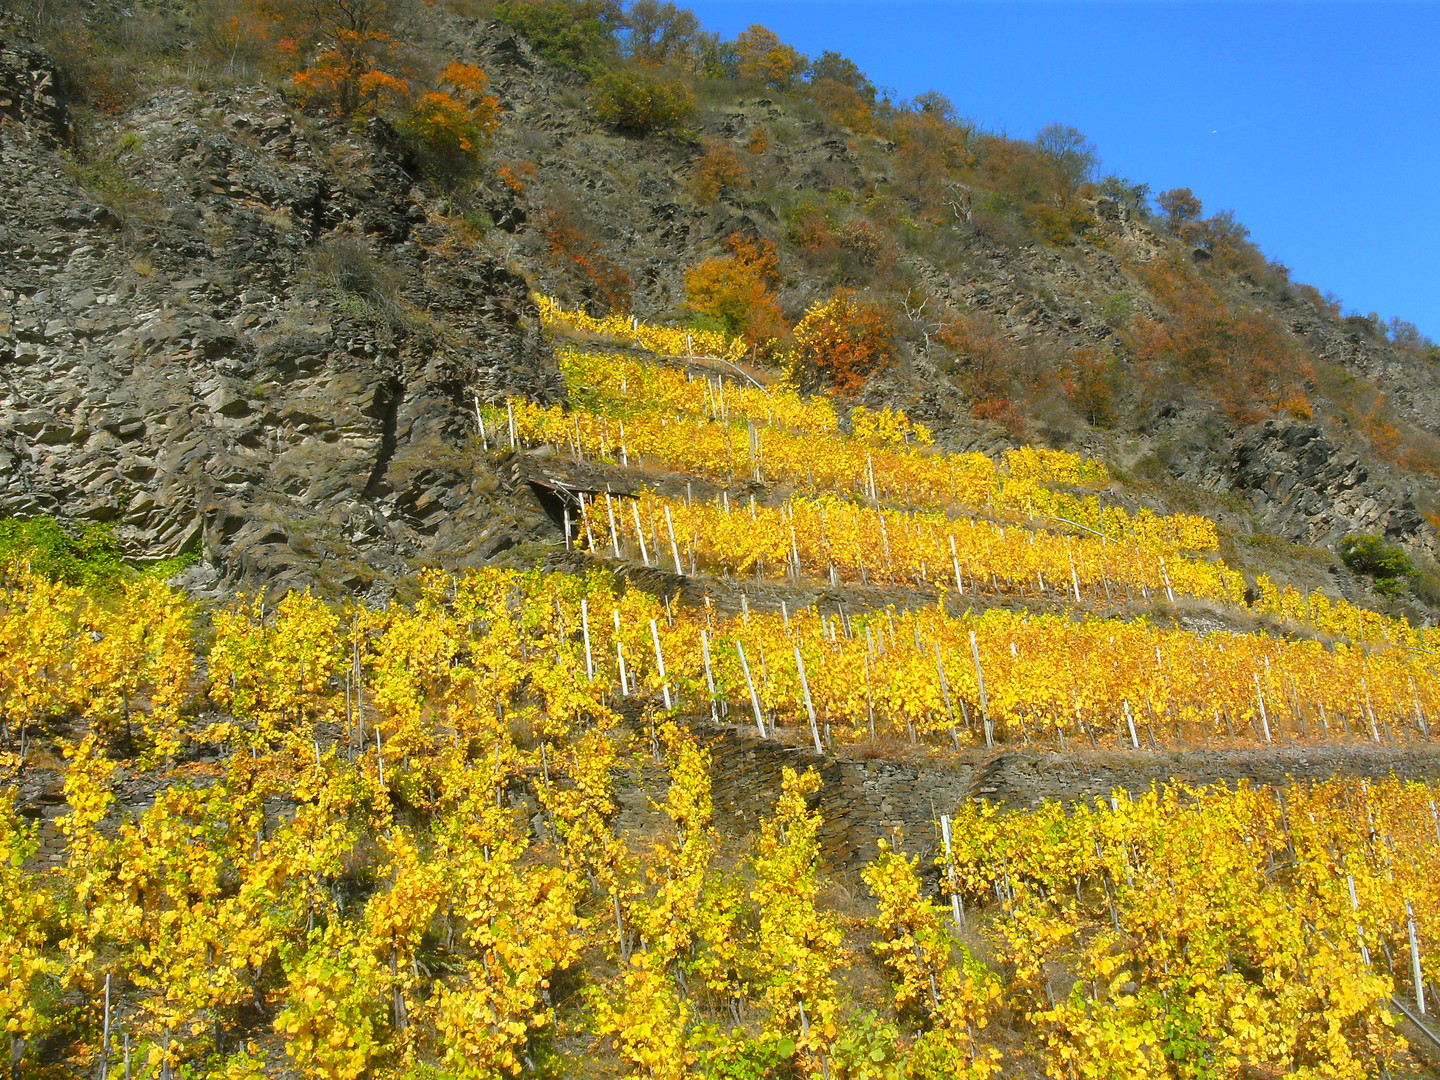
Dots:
pixel 1317 123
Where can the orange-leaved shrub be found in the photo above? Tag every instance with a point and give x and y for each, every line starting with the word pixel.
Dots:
pixel 987 367
pixel 737 290
pixel 843 93
pixel 719 171
pixel 603 283
pixel 1002 411
pixel 449 128
pixel 984 356
pixel 1089 385
pixel 513 176
pixel 844 341
pixel 1244 359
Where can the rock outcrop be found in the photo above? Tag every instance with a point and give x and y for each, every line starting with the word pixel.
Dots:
pixel 1309 489
pixel 268 352
pixel 30 93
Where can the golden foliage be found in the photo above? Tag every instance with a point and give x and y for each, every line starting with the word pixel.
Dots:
pixel 719 171
pixel 738 290
pixel 844 340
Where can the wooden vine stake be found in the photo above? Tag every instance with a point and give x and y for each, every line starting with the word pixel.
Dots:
pixel 1359 930
pixel 660 664
pixel 620 656
pixel 640 532
pixel 674 551
pixel 1130 721
pixel 105 1038
pixel 585 517
pixel 585 630
pixel 945 692
pixel 620 928
pixel 750 683
pixel 1415 970
pixel 980 685
pixel 809 705
pixel 957 908
pixel 1260 695
pixel 709 675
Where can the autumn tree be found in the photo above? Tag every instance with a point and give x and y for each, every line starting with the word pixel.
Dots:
pixel 832 67
pixel 1135 197
pixel 934 147
pixel 1227 240
pixel 662 33
pixel 765 59
pixel 737 290
pixel 1089 386
pixel 720 170
pixel 1406 337
pixel 1069 153
pixel 844 341
pixel 236 33
pixel 351 59
pixel 1180 206
pixel 449 127
pixel 843 105
pixel 843 92
pixel 982 351
pixel 936 105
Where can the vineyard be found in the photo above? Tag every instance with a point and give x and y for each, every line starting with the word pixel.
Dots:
pixel 477 831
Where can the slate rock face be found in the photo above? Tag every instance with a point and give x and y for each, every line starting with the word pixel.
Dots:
pixel 29 93
pixel 1313 490
pixel 266 350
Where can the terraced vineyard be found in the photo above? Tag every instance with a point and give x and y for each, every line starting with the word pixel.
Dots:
pixel 609 816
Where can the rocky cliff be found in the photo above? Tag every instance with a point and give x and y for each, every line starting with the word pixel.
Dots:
pixel 271 357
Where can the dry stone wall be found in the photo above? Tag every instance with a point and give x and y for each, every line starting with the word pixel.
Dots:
pixel 865 800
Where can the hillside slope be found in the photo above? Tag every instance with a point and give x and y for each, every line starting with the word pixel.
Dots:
pixel 315 320
pixel 796 587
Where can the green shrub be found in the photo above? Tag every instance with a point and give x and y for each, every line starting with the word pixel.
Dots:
pixel 1118 310
pixel 577 34
pixel 736 1056
pixel 1371 556
pixel 639 104
pixel 91 560
pixel 1425 584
